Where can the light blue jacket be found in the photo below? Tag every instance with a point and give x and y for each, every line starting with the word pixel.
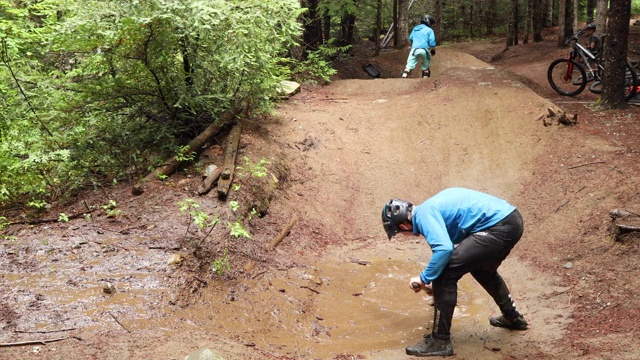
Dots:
pixel 422 37
pixel 450 216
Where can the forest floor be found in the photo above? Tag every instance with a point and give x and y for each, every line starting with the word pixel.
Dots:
pixel 137 282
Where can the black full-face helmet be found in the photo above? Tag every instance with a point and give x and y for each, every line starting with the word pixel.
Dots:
pixel 394 213
pixel 428 20
pixel 590 26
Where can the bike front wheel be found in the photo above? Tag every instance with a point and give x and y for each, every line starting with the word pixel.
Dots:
pixel 630 83
pixel 567 77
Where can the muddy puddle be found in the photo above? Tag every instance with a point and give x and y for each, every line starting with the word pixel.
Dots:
pixel 66 283
pixel 348 304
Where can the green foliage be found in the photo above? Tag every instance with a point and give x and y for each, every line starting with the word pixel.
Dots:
pixel 221 264
pixel 258 169
pixel 110 209
pixel 197 217
pixel 635 8
pixel 91 91
pixel 206 222
pixel 63 218
pixel 317 65
pixel 337 8
pixel 38 204
pixel 3 223
pixel 237 229
pixel 183 154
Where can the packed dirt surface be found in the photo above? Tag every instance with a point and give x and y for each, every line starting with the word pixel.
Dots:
pixel 137 283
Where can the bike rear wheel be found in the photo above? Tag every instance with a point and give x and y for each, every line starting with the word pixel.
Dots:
pixel 562 75
pixel 630 83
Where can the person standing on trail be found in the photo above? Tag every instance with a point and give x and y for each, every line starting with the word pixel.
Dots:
pixel 423 43
pixel 468 232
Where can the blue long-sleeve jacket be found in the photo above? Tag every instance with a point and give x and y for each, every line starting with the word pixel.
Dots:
pixel 450 216
pixel 422 37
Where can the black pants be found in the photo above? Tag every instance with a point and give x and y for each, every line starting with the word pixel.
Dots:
pixel 480 254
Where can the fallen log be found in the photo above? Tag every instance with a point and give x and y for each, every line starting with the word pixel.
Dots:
pixel 207 183
pixel 230 154
pixel 194 146
pixel 283 233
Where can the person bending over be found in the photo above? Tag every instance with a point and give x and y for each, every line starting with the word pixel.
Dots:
pixel 468 232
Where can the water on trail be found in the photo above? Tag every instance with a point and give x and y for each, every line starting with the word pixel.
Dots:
pixel 353 304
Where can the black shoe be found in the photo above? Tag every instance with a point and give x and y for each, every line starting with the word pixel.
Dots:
pixel 426 73
pixel 430 346
pixel 519 323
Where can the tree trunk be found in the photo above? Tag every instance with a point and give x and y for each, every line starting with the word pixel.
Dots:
pixel 403 24
pixel 562 9
pixel 395 23
pixel 565 21
pixel 471 22
pixel 601 16
pixel 512 34
pixel 536 20
pixel 312 26
pixel 591 10
pixel 574 23
pixel 615 55
pixel 490 17
pixel 509 39
pixel 347 27
pixel 527 23
pixel 569 28
pixel 351 29
pixel 438 15
pixel 327 27
pixel 548 20
pixel 378 28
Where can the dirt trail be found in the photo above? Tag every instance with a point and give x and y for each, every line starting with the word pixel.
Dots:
pixel 350 146
pixel 468 125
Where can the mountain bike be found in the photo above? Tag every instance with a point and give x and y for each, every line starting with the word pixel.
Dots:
pixel 569 76
pixel 596 87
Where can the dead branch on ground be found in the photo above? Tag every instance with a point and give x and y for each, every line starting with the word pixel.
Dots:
pixel 586 164
pixel 283 233
pixel 118 321
pixel 32 342
pixel 42 331
pixel 308 288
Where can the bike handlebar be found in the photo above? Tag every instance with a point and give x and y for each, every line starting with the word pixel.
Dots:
pixel 570 39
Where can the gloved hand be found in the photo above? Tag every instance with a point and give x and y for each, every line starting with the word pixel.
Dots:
pixel 433 52
pixel 416 284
